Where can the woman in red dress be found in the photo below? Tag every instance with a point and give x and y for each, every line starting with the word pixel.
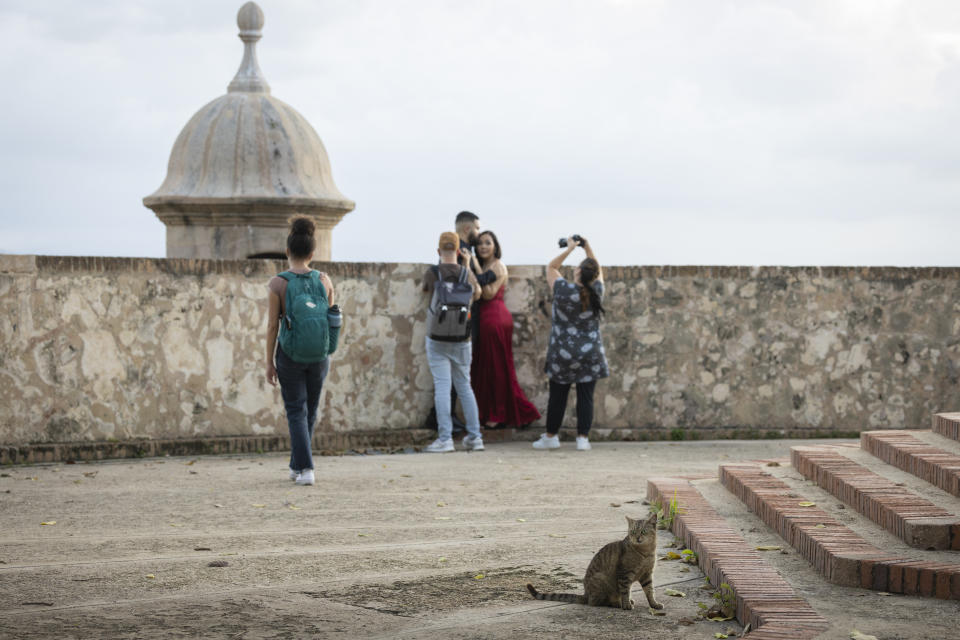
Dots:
pixel 499 396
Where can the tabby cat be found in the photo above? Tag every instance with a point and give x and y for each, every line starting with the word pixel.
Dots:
pixel 615 568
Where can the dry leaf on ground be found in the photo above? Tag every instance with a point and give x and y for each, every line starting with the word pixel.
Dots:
pixel 856 635
pixel 769 547
pixel 50 523
pixel 674 593
pixel 806 504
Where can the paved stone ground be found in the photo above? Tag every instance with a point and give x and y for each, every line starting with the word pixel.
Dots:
pixel 399 546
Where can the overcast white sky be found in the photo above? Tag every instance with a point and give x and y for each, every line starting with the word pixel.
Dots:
pixel 668 132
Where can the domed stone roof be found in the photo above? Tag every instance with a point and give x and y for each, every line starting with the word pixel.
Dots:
pixel 246 159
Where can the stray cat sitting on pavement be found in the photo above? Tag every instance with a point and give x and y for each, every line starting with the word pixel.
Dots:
pixel 615 568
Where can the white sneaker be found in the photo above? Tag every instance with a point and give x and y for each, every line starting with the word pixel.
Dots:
pixel 294 474
pixel 547 442
pixel 440 446
pixel 471 443
pixel 305 477
pixel 583 443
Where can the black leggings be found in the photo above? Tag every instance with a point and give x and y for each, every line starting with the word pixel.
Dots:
pixel 557 406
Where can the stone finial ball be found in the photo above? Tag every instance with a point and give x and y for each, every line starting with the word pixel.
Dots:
pixel 250 17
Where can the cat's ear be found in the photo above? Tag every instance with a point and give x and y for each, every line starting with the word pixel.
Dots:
pixel 630 521
pixel 653 517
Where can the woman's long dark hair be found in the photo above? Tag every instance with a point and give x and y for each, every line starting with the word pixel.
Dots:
pixel 589 298
pixel 496 247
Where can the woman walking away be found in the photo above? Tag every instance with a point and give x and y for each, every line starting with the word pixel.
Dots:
pixel 499 396
pixel 575 353
pixel 302 311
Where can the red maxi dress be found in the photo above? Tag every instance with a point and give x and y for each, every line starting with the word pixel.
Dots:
pixel 499 396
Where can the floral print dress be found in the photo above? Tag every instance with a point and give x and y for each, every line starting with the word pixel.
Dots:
pixel 575 353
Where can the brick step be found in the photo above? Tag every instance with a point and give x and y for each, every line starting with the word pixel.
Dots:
pixel 764 599
pixel 947 425
pixel 907 452
pixel 839 554
pixel 913 519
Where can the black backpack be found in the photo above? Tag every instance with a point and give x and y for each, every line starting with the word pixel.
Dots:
pixel 448 317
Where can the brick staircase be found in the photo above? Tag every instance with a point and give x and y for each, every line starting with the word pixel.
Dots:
pixel 920 509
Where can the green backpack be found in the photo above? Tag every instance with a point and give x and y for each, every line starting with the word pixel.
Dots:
pixel 304 328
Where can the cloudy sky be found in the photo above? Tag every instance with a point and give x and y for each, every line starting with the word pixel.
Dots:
pixel 667 131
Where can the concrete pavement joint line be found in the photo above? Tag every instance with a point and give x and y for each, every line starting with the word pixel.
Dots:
pixel 764 599
pixel 315 550
pixel 219 533
pixel 372 578
pixel 842 556
pixel 470 620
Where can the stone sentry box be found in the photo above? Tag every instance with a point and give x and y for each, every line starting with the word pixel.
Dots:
pixel 102 349
pixel 242 165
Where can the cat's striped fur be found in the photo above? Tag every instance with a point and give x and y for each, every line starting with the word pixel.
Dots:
pixel 613 570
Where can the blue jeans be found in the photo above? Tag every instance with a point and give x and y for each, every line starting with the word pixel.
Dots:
pixel 300 386
pixel 451 360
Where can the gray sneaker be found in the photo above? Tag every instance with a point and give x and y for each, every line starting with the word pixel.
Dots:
pixel 440 446
pixel 471 443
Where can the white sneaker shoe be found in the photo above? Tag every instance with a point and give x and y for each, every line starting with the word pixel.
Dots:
pixel 547 442
pixel 440 446
pixel 305 477
pixel 294 474
pixel 583 443
pixel 471 443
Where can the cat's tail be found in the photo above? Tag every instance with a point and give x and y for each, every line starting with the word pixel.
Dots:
pixel 558 597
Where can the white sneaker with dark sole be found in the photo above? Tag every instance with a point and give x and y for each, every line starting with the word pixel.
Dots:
pixel 547 442
pixel 440 446
pixel 471 443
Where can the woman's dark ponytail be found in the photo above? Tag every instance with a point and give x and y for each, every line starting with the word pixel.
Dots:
pixel 302 240
pixel 589 298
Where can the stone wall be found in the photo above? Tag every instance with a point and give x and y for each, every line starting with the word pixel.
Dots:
pixel 103 349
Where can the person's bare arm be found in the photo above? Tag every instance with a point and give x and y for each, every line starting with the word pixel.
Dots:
pixel 553 267
pixel 490 290
pixel 328 285
pixel 273 326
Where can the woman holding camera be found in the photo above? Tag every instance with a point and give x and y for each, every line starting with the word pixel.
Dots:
pixel 575 353
pixel 499 396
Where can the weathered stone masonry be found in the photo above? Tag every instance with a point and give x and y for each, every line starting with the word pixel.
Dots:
pixel 102 349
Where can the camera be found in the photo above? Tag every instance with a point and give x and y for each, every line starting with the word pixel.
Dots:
pixel 576 238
